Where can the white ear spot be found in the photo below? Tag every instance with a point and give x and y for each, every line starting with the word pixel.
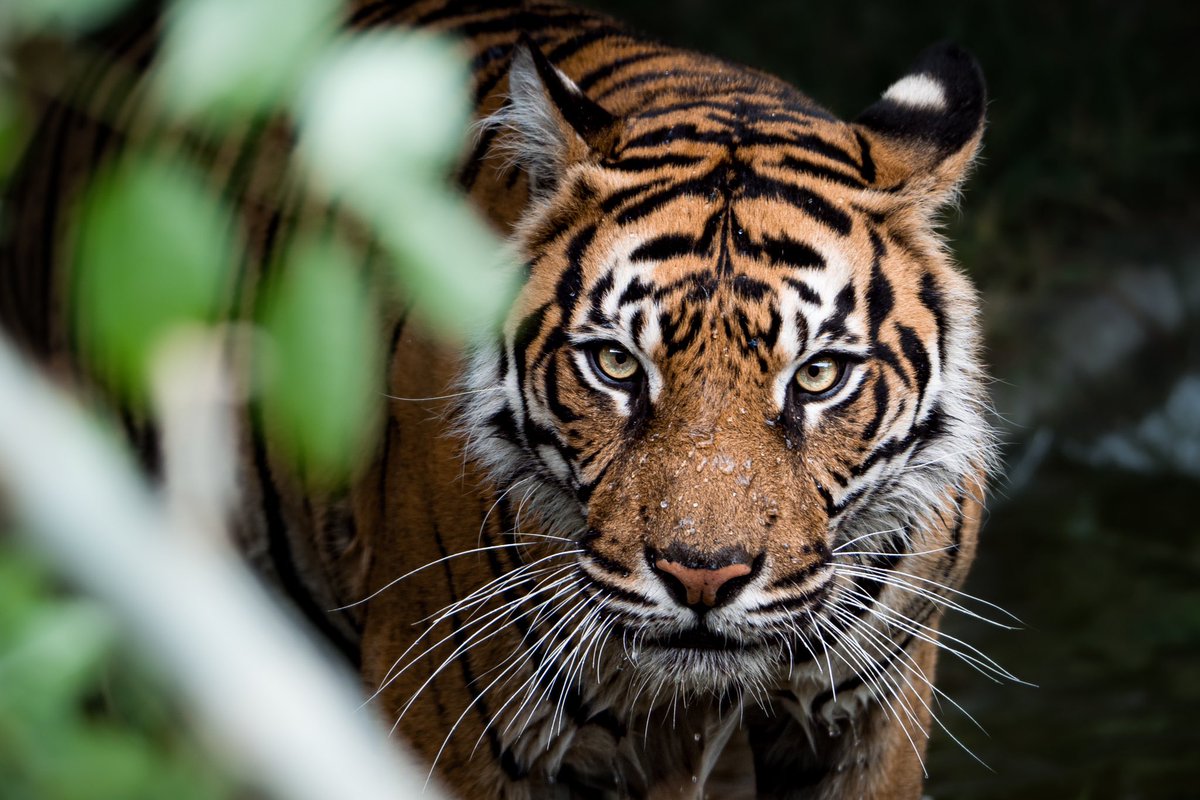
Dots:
pixel 917 91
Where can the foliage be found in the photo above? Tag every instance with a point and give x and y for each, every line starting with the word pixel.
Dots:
pixel 380 120
pixel 155 251
pixel 328 373
pixel 379 128
pixel 77 719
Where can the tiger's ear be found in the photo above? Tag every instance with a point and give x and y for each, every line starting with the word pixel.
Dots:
pixel 554 124
pixel 925 131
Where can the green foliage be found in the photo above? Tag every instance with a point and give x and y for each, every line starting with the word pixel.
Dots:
pixel 154 253
pixel 230 59
pixel 62 682
pixel 324 361
pixel 367 127
pixel 381 119
pixel 429 265
pixel 384 143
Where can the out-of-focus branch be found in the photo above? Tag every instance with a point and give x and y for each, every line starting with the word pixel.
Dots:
pixel 279 708
pixel 193 398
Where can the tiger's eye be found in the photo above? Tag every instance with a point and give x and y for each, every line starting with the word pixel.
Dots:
pixel 616 362
pixel 819 375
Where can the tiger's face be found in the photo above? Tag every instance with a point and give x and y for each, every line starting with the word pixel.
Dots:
pixel 737 355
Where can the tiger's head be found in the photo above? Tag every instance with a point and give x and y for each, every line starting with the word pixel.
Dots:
pixel 741 380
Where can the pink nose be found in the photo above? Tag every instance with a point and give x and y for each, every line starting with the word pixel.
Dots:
pixel 701 585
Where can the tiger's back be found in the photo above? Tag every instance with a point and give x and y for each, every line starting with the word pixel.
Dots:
pixel 689 538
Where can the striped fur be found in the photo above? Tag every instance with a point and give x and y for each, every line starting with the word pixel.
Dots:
pixel 516 542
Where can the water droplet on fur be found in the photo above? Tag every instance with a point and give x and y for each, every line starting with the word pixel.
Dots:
pixel 695 737
pixel 664 504
pixel 695 779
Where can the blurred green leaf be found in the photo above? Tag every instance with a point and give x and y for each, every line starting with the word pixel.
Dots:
pixel 229 59
pixel 458 273
pixel 380 125
pixel 323 365
pixel 58 16
pixel 77 722
pixel 154 252
pixel 384 110
pixel 54 656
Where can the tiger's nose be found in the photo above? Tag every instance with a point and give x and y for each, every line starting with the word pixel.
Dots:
pixel 698 582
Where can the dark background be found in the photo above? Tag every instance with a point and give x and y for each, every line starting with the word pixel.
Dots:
pixel 1080 227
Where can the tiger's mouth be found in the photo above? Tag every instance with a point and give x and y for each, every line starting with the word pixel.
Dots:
pixel 700 638
pixel 699 659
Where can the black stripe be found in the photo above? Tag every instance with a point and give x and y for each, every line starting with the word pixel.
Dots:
pixel 804 600
pixel 748 288
pixel 806 292
pixel 553 402
pixel 866 166
pixel 590 79
pixel 584 39
pixel 880 298
pixel 785 251
pixel 280 552
pixel 675 341
pixel 759 187
pixel 677 78
pixel 881 397
pixel 527 330
pixel 932 298
pixel 661 248
pixel 843 305
pixel 888 356
pixel 806 167
pixel 930 428
pixel 818 145
pixel 918 356
pixel 646 163
pixel 841 405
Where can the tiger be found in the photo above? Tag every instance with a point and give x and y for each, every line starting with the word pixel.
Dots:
pixel 687 524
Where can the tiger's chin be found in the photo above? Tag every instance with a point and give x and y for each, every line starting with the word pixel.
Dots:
pixel 695 663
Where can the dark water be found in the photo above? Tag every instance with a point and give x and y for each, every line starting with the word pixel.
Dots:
pixel 1104 570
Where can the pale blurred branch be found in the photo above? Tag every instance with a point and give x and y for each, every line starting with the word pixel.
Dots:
pixel 264 691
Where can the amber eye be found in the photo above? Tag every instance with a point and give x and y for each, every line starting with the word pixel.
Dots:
pixel 615 362
pixel 819 375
